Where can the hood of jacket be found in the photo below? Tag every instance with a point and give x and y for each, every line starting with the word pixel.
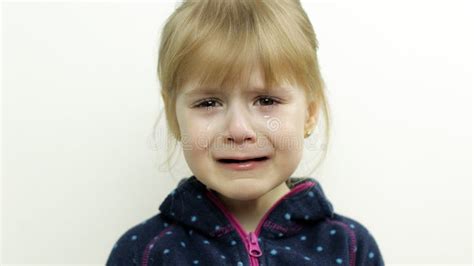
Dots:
pixel 193 205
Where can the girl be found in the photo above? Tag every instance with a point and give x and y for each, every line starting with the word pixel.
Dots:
pixel 242 90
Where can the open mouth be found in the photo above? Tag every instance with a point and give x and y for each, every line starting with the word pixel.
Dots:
pixel 242 161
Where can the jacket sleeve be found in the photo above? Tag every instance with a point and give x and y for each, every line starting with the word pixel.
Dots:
pixel 367 250
pixel 124 252
pixel 129 248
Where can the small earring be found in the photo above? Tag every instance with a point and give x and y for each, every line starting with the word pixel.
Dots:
pixel 307 134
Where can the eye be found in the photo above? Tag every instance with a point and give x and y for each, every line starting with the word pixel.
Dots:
pixel 210 103
pixel 206 103
pixel 268 101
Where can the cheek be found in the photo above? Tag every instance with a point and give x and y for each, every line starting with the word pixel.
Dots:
pixel 193 141
pixel 289 133
pixel 288 139
pixel 195 144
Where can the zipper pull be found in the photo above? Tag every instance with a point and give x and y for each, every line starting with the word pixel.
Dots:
pixel 254 248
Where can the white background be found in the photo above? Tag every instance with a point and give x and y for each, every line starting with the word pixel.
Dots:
pixel 80 96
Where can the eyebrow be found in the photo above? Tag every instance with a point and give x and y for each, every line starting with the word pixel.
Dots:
pixel 210 90
pixel 202 91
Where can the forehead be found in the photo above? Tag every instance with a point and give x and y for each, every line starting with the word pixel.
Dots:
pixel 255 83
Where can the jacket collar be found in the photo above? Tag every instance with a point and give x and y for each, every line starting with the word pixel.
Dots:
pixel 191 204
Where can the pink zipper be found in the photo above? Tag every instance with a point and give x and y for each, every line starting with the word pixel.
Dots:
pixel 251 239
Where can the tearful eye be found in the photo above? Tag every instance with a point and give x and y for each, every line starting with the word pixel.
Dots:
pixel 267 101
pixel 207 103
pixel 211 103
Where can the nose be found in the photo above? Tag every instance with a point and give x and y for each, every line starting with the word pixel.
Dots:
pixel 239 126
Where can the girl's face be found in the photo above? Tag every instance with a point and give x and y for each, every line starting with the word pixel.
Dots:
pixel 243 122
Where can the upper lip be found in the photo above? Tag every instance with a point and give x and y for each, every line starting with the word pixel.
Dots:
pixel 241 157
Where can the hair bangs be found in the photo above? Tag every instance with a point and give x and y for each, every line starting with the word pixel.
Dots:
pixel 224 52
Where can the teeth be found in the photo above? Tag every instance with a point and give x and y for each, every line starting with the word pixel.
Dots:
pixel 241 161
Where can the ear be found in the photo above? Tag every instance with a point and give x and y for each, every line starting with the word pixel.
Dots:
pixel 311 116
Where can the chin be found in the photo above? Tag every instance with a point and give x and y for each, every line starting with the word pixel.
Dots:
pixel 244 191
pixel 245 196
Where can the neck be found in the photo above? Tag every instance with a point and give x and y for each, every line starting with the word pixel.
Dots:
pixel 250 212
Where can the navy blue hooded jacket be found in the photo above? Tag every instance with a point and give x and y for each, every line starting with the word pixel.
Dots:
pixel 193 227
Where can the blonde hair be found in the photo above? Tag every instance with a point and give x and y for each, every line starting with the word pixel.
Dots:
pixel 218 42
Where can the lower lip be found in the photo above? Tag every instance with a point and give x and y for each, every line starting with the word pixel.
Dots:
pixel 244 166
